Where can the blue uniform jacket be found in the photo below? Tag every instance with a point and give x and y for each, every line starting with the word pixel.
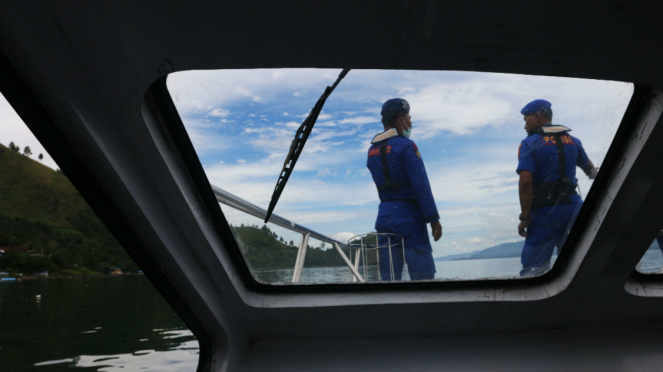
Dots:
pixel 538 154
pixel 406 169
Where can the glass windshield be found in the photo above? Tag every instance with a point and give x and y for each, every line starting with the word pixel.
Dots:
pixel 453 142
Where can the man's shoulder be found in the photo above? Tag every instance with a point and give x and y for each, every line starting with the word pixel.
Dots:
pixel 531 139
pixel 575 139
pixel 401 141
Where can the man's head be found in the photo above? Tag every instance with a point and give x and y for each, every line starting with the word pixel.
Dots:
pixel 536 114
pixel 396 114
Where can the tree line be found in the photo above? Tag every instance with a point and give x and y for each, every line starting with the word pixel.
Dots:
pixel 26 150
pixel 262 248
pixel 31 247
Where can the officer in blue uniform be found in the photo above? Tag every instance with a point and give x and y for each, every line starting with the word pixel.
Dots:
pixel 547 161
pixel 406 200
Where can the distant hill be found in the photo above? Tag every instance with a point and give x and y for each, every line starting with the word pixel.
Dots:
pixel 46 225
pixel 513 249
pixel 454 257
pixel 499 251
pixel 505 250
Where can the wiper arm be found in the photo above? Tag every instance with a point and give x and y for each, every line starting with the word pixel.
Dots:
pixel 298 144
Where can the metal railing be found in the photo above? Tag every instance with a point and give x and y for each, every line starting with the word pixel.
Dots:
pixel 231 200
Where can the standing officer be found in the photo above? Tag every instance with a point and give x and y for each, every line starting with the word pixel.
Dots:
pixel 547 161
pixel 406 200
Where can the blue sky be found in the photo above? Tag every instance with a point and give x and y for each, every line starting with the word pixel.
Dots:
pixel 467 126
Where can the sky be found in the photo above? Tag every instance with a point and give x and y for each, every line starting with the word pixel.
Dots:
pixel 467 126
pixel 12 129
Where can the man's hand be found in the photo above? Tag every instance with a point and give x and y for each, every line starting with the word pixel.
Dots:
pixel 437 229
pixel 522 228
pixel 592 173
pixel 590 170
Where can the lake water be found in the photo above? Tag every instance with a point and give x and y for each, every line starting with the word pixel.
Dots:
pixel 102 324
pixel 498 268
pixel 123 323
pixel 651 262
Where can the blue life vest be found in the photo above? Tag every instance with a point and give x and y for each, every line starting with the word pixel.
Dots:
pixel 400 177
pixel 551 155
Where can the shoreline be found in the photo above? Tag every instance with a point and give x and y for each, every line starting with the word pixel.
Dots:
pixel 29 278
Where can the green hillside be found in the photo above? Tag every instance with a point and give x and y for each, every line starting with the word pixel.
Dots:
pixel 35 192
pixel 263 249
pixel 46 225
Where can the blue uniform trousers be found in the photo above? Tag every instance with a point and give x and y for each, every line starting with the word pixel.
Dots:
pixel 550 227
pixel 418 251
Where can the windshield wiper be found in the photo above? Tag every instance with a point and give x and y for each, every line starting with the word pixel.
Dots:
pixel 298 144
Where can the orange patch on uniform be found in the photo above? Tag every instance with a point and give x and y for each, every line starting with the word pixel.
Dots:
pixel 388 149
pixel 519 146
pixel 567 140
pixel 374 152
pixel 550 140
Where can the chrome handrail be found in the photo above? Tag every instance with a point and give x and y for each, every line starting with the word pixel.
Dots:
pixel 231 200
pixel 234 201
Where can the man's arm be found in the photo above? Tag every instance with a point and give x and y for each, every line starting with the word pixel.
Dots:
pixel 525 186
pixel 588 167
pixel 590 170
pixel 416 173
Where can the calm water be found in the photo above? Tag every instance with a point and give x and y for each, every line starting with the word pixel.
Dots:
pixel 501 268
pixel 102 324
pixel 651 262
pixel 123 323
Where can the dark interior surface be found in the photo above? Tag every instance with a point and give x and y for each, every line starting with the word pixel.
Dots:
pixel 87 78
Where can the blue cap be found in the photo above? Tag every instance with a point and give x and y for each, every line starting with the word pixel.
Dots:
pixel 535 106
pixel 395 105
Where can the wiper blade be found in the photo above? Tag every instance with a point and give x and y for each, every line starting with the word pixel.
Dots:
pixel 298 144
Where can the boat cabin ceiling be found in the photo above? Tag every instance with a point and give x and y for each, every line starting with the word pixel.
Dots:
pixel 89 80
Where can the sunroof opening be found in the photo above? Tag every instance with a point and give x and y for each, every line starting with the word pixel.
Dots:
pixel 357 211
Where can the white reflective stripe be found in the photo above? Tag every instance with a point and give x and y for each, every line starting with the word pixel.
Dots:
pixel 555 129
pixel 385 135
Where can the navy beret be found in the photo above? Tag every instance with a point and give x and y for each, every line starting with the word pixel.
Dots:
pixel 395 105
pixel 534 106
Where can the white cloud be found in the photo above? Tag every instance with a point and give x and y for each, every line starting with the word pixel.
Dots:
pixel 326 124
pixel 292 125
pixel 219 112
pixel 360 120
pixel 344 236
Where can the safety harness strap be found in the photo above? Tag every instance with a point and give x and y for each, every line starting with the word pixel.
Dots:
pixel 547 194
pixel 561 157
pixel 388 185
